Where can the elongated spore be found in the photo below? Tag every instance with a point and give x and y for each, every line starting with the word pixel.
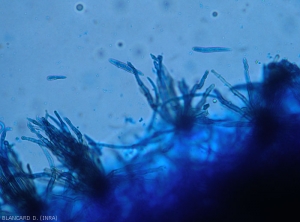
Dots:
pixel 124 66
pixel 51 78
pixel 211 49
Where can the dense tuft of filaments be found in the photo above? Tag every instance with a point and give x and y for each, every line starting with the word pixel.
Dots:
pixel 189 166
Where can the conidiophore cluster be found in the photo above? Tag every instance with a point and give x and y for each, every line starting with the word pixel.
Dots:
pixel 18 190
pixel 254 174
pixel 271 105
pixel 180 115
pixel 85 172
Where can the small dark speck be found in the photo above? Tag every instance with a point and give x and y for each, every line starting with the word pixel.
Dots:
pixel 100 53
pixel 150 40
pixel 141 119
pixel 120 44
pixel 120 5
pixel 215 14
pixel 79 7
pixel 138 51
pixel 129 120
pixel 166 4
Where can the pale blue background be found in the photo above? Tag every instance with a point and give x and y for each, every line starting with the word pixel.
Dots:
pixel 49 37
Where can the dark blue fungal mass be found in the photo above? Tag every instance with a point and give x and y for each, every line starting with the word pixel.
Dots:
pixel 186 166
pixel 271 104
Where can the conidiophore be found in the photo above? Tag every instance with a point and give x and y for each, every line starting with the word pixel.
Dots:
pixel 85 172
pixel 259 182
pixel 178 111
pixel 17 189
pixel 179 115
pixel 271 104
pixel 87 188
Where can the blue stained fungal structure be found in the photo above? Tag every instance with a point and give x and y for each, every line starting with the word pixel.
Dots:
pixel 123 66
pixel 187 166
pixel 51 78
pixel 18 191
pixel 211 49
